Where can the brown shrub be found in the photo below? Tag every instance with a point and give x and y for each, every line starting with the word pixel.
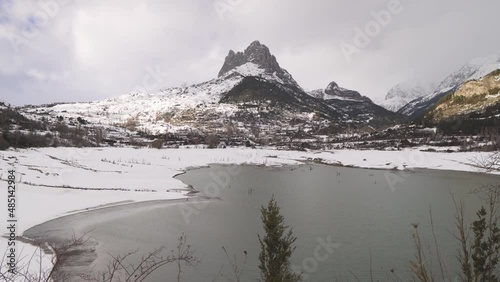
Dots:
pixel 212 141
pixel 157 144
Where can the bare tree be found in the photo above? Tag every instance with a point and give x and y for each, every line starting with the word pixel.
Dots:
pixel 32 268
pixel 463 239
pixel 488 164
pixel 118 269
pixel 235 267
pixel 419 265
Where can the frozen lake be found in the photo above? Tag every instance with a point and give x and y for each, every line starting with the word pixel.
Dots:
pixel 360 211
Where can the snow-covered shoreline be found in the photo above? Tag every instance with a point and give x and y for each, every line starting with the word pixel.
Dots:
pixel 55 182
pixel 119 175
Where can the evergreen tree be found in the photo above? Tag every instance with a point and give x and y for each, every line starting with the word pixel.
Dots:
pixel 485 247
pixel 276 246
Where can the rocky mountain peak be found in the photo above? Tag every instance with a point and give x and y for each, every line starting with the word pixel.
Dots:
pixel 260 55
pixel 405 92
pixel 333 89
pixel 332 86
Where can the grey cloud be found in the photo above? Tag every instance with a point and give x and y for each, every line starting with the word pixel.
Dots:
pixel 100 49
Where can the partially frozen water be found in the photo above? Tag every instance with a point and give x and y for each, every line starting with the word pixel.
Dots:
pixel 357 210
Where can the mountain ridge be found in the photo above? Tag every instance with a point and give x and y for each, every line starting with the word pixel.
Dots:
pixel 476 101
pixel 473 69
pixel 251 89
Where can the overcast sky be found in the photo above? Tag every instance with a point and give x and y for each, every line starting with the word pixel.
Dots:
pixel 84 50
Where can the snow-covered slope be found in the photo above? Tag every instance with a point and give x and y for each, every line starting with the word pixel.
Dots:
pixel 251 87
pixel 147 106
pixel 403 93
pixel 148 110
pixel 353 104
pixel 474 69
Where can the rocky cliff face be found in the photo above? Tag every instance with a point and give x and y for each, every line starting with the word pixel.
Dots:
pixel 473 98
pixel 257 54
pixel 334 91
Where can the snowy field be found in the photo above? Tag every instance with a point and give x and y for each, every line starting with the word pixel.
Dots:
pixel 54 182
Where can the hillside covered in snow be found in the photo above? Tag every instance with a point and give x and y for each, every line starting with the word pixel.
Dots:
pixel 251 91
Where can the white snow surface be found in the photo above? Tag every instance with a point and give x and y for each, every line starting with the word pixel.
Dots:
pixel 49 176
pixel 147 109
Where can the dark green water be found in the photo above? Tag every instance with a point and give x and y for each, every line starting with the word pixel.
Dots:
pixel 356 210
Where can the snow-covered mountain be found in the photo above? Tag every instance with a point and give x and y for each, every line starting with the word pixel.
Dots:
pixel 256 60
pixel 353 104
pixel 474 69
pixel 251 88
pixel 403 93
pixel 334 91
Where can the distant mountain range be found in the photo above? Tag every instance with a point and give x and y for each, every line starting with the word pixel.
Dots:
pixel 474 69
pixel 251 89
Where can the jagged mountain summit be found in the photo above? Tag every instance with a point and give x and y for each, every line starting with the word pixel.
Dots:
pixel 474 69
pixel 403 93
pixel 334 91
pixel 256 60
pixel 264 83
